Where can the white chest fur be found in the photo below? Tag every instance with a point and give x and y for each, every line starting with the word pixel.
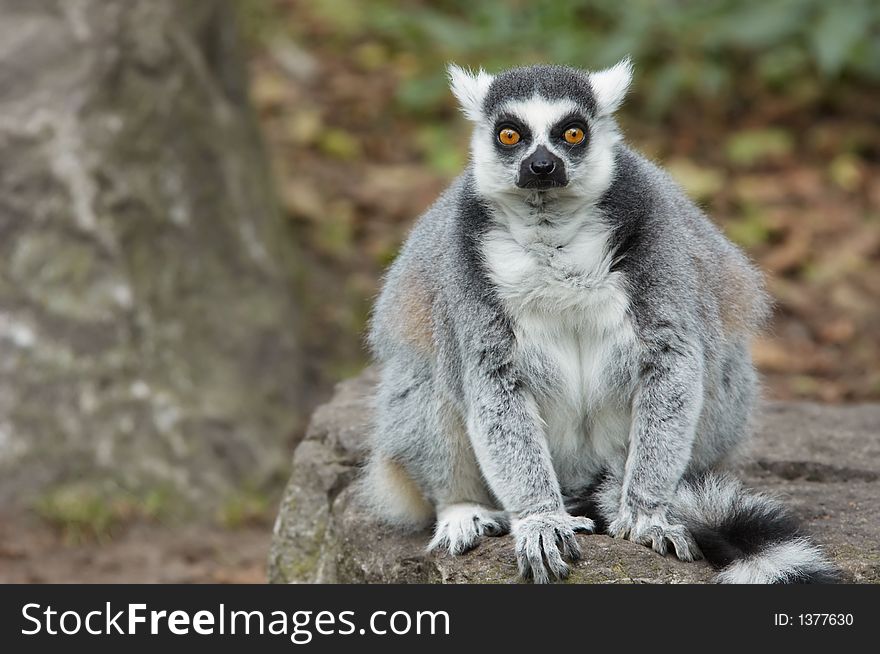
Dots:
pixel 575 339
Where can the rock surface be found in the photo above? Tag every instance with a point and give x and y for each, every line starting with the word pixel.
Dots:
pixel 823 460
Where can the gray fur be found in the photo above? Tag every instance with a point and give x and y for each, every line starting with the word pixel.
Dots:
pixel 546 80
pixel 475 407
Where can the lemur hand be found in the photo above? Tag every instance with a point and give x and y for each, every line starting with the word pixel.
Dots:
pixel 651 528
pixel 546 541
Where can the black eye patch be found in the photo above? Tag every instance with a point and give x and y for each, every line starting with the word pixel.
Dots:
pixel 509 120
pixel 510 152
pixel 573 151
pixel 557 132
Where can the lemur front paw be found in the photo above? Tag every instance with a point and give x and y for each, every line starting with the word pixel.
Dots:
pixel 545 541
pixel 459 527
pixel 652 529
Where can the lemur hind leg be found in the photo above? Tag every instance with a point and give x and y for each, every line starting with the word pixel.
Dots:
pixel 392 485
pixel 423 470
pixel 466 510
pixel 392 494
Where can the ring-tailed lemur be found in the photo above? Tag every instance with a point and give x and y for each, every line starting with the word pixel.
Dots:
pixel 564 329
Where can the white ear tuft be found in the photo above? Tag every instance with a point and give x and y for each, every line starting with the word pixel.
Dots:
pixel 610 85
pixel 470 88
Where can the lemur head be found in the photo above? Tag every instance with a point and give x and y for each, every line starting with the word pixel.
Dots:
pixel 542 130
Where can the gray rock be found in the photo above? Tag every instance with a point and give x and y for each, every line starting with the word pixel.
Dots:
pixel 148 337
pixel 824 461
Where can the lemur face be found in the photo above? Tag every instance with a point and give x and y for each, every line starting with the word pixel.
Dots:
pixel 542 129
pixel 537 141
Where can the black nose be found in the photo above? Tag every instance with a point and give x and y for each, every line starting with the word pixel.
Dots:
pixel 541 170
pixel 542 167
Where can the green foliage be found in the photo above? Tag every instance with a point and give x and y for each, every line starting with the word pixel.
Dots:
pixel 711 49
pixel 748 147
pixel 750 229
pixel 256 19
pixel 88 512
pixel 248 507
pixel 443 153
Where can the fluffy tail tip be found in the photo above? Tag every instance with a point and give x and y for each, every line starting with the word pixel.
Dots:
pixel 750 537
pixel 790 562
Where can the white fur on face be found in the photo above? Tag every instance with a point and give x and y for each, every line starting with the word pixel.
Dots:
pixel 588 178
pixel 540 114
pixel 495 177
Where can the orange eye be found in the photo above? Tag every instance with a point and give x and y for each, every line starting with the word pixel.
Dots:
pixel 573 135
pixel 508 136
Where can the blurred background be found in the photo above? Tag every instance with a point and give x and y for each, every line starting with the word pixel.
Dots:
pixel 767 112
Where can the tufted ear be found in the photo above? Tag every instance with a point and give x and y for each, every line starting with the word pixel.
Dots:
pixel 470 88
pixel 610 85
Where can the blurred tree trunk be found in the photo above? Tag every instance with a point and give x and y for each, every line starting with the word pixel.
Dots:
pixel 147 329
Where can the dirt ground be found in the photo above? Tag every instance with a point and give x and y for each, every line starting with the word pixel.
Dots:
pixel 33 552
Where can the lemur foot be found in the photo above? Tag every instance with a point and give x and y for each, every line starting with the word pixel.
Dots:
pixel 460 526
pixel 653 530
pixel 545 541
